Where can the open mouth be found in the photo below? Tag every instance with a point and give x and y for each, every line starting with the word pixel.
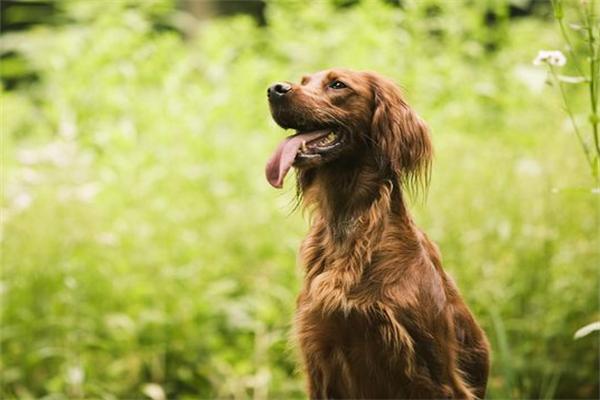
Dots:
pixel 301 149
pixel 317 147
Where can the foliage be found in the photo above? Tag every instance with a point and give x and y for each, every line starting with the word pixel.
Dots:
pixel 143 252
pixel 586 64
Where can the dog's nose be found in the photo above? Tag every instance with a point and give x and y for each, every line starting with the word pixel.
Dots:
pixel 278 90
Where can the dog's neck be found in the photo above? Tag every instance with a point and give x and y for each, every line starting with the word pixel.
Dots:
pixel 356 211
pixel 345 194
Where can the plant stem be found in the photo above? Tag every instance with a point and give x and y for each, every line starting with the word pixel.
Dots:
pixel 593 76
pixel 558 14
pixel 584 146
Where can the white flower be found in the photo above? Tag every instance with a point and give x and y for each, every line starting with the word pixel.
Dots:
pixel 550 57
pixel 22 201
pixel 529 167
pixel 154 391
pixel 75 375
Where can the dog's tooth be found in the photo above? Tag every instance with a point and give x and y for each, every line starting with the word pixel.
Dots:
pixel 303 147
pixel 331 136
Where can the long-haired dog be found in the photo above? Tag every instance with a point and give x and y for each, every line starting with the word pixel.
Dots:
pixel 377 316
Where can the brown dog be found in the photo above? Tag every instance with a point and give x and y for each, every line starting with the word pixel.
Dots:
pixel 377 316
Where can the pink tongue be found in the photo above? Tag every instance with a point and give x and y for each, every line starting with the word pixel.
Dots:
pixel 282 159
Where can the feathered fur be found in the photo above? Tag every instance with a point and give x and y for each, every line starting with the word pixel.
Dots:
pixel 377 317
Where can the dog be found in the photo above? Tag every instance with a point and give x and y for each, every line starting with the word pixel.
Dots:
pixel 377 316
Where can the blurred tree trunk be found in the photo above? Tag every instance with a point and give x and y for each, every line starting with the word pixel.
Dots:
pixel 203 9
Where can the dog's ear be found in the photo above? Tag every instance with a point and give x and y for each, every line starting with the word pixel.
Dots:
pixel 401 135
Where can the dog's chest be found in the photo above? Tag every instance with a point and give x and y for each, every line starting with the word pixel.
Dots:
pixel 354 348
pixel 337 337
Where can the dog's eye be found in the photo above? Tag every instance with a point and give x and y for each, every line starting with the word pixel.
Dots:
pixel 337 85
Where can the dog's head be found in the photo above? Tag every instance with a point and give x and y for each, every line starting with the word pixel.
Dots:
pixel 338 114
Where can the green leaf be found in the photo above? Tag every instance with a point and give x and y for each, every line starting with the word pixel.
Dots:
pixel 576 27
pixel 572 79
pixel 558 10
pixel 586 330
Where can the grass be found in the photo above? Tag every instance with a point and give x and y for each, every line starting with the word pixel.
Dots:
pixel 144 254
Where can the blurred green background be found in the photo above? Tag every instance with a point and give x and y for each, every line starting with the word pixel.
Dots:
pixel 144 255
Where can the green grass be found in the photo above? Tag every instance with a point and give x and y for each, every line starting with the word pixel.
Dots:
pixel 142 245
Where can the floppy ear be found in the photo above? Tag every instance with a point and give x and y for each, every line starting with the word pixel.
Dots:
pixel 401 135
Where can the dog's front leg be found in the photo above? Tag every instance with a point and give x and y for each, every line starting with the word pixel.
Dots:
pixel 316 390
pixel 320 385
pixel 316 381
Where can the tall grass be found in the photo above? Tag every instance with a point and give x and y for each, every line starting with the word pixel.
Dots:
pixel 586 64
pixel 143 253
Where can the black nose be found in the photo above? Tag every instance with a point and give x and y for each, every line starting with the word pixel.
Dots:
pixel 278 90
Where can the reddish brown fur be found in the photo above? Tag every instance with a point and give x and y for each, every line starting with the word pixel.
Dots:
pixel 377 317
